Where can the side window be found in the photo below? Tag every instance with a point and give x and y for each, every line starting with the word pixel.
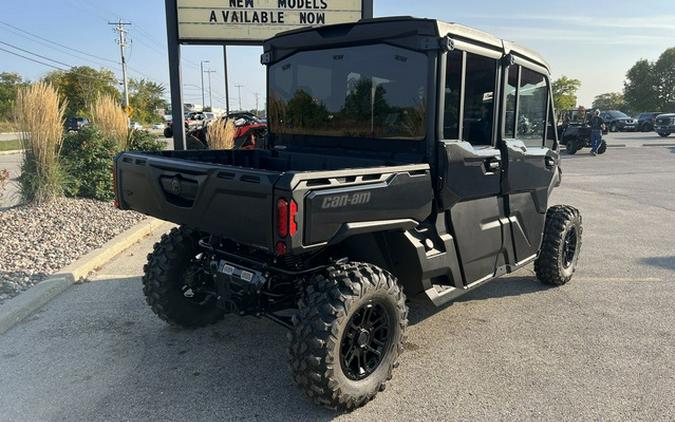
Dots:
pixel 532 101
pixel 479 86
pixel 551 128
pixel 453 84
pixel 510 90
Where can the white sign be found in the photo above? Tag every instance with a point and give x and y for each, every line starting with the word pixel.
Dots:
pixel 256 20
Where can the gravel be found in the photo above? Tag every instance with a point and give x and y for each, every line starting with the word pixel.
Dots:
pixel 36 241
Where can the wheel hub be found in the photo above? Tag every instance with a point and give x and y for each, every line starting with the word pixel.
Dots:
pixel 569 247
pixel 365 340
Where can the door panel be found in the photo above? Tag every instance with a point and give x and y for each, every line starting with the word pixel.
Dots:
pixel 470 194
pixel 478 230
pixel 529 172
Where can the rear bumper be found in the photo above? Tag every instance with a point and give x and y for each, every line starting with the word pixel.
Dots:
pixel 664 128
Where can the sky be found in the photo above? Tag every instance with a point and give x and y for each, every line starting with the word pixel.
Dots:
pixel 594 41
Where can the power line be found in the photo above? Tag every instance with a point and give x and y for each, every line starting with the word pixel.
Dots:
pixel 31 59
pixel 58 44
pixel 35 54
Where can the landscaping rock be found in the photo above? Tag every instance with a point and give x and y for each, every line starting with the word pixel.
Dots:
pixel 36 241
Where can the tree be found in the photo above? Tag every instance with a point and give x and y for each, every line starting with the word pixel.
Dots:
pixel 610 101
pixel 145 98
pixel 664 78
pixel 82 85
pixel 9 85
pixel 639 89
pixel 565 92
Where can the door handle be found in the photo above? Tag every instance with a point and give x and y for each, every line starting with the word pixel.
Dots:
pixel 492 164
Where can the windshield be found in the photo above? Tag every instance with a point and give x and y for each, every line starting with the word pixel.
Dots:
pixel 374 91
pixel 617 114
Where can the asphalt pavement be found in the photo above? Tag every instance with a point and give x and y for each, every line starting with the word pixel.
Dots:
pixel 600 348
pixel 12 163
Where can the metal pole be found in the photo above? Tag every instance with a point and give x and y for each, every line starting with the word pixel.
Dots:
pixel 209 72
pixel 239 88
pixel 201 65
pixel 175 85
pixel 227 88
pixel 367 9
pixel 122 41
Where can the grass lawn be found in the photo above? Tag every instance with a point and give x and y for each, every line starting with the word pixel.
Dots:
pixel 6 126
pixel 10 145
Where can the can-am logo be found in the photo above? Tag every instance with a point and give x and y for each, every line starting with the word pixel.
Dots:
pixel 338 201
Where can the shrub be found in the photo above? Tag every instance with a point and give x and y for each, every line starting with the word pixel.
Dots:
pixel 221 136
pixel 87 158
pixel 111 120
pixel 140 140
pixel 39 116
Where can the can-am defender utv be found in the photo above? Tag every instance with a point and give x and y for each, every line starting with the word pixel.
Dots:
pixel 394 167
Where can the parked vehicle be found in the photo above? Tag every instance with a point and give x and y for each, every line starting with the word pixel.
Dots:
pixel 664 124
pixel 74 124
pixel 362 196
pixel 192 120
pixel 574 131
pixel 250 132
pixel 645 121
pixel 618 121
pixel 136 126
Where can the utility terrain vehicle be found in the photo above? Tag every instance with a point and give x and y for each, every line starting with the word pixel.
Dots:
pixel 574 132
pixel 393 167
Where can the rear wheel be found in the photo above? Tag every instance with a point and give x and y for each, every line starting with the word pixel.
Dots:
pixel 168 132
pixel 612 127
pixel 560 246
pixel 664 134
pixel 571 147
pixel 603 147
pixel 347 335
pixel 172 279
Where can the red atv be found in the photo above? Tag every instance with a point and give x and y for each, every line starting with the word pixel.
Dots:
pixel 250 131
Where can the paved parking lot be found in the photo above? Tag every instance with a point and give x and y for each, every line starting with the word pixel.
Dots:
pixel 599 348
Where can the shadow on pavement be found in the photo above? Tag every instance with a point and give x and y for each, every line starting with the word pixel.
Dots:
pixel 421 308
pixel 667 262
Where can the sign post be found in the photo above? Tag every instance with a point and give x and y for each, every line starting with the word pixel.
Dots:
pixel 242 22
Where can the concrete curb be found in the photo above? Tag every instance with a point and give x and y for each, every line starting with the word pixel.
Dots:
pixel 12 151
pixel 22 306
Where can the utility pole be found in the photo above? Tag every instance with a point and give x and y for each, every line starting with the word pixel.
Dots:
pixel 120 28
pixel 239 89
pixel 209 72
pixel 257 97
pixel 203 97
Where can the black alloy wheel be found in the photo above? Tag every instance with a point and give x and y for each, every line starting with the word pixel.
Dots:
pixel 365 340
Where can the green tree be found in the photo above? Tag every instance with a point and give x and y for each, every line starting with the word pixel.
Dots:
pixel 145 98
pixel 664 78
pixel 610 101
pixel 639 89
pixel 82 85
pixel 9 84
pixel 565 93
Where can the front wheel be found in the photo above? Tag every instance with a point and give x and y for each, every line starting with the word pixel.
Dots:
pixel 603 147
pixel 664 134
pixel 612 128
pixel 347 335
pixel 560 246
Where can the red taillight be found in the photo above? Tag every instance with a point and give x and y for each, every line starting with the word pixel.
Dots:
pixel 282 217
pixel 292 224
pixel 280 249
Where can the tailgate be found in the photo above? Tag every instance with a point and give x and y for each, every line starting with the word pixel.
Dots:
pixel 233 202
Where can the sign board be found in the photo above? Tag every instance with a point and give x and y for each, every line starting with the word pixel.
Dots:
pixel 253 21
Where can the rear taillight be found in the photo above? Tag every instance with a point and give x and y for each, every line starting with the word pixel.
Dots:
pixel 286 221
pixel 292 224
pixel 282 217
